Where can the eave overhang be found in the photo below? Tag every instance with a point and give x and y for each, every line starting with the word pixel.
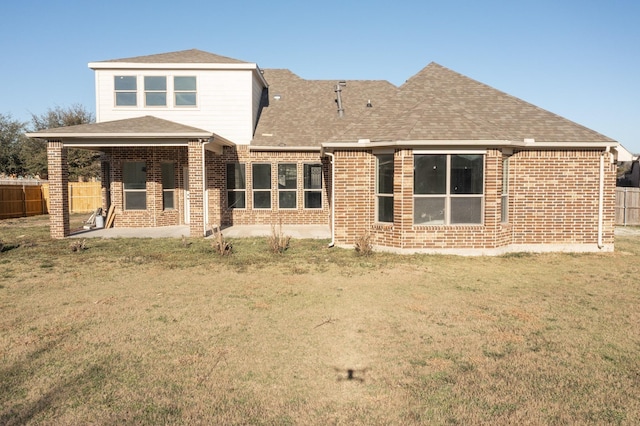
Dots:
pixel 248 66
pixel 527 144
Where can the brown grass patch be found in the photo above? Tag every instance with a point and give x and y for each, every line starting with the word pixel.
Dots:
pixel 154 332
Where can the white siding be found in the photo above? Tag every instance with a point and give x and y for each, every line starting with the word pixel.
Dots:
pixel 257 97
pixel 225 101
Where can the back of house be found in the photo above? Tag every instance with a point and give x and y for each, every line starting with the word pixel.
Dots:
pixel 441 164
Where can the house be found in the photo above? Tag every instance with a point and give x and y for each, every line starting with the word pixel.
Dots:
pixel 441 164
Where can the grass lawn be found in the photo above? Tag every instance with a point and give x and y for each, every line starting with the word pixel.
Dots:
pixel 168 332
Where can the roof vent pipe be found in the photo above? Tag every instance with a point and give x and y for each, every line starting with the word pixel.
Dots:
pixel 338 91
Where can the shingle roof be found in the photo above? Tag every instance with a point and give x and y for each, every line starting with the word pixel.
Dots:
pixel 192 56
pixel 141 126
pixel 306 113
pixel 440 104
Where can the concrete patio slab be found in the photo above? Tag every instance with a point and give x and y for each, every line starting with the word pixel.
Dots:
pixel 242 231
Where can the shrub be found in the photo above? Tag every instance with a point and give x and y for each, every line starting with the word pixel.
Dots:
pixel 278 241
pixel 363 245
pixel 78 245
pixel 219 244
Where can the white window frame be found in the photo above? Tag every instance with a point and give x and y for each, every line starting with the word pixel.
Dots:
pixel 125 91
pixel 447 195
pixel 177 91
pixel 155 91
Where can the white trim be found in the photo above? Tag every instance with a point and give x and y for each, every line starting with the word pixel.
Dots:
pixel 171 66
pixel 71 135
pixel 284 148
pixel 449 151
pixel 450 144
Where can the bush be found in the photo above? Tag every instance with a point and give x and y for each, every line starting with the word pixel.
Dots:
pixel 278 241
pixel 363 245
pixel 219 244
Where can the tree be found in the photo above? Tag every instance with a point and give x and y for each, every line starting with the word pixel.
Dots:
pixel 11 138
pixel 82 163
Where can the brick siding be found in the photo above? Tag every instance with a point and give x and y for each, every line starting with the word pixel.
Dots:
pixel 553 196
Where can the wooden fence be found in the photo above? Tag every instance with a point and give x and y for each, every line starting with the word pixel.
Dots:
pixel 627 206
pixel 19 199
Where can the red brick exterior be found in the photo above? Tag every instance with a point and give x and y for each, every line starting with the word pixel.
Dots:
pixel 58 190
pixel 553 201
pixel 274 215
pixel 553 197
pixel 154 215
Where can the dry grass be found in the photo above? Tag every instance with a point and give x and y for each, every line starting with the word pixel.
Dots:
pixel 156 332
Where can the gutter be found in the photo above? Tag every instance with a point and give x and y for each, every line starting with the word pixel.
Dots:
pixel 333 199
pixel 205 199
pixel 601 198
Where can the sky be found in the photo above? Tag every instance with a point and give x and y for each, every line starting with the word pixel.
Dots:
pixel 578 59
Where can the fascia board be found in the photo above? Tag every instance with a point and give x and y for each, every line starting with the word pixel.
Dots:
pixel 170 66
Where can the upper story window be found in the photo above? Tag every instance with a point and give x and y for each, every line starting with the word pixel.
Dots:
pixel 184 89
pixel 448 189
pixel 126 88
pixel 155 91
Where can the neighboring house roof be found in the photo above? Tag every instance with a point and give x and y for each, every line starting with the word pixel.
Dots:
pixel 140 127
pixel 302 113
pixel 192 56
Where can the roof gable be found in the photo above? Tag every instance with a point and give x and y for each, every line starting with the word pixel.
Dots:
pixel 191 56
pixel 440 104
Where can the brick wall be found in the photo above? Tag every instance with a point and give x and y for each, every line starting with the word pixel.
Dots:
pixel 154 215
pixel 299 216
pixel 554 197
pixel 58 189
pixel 553 200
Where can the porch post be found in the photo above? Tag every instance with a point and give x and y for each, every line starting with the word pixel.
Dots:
pixel 196 194
pixel 58 189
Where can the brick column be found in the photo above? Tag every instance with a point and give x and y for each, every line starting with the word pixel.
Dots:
pixel 196 194
pixel 58 190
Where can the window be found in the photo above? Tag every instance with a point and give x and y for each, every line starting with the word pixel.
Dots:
pixel 184 90
pixel 236 186
pixel 126 90
pixel 384 187
pixel 134 179
pixel 313 186
pixel 504 205
pixel 168 186
pixel 287 186
pixel 261 186
pixel 155 91
pixel 448 189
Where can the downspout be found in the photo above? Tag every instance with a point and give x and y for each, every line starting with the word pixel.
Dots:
pixel 205 199
pixel 601 199
pixel 333 199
